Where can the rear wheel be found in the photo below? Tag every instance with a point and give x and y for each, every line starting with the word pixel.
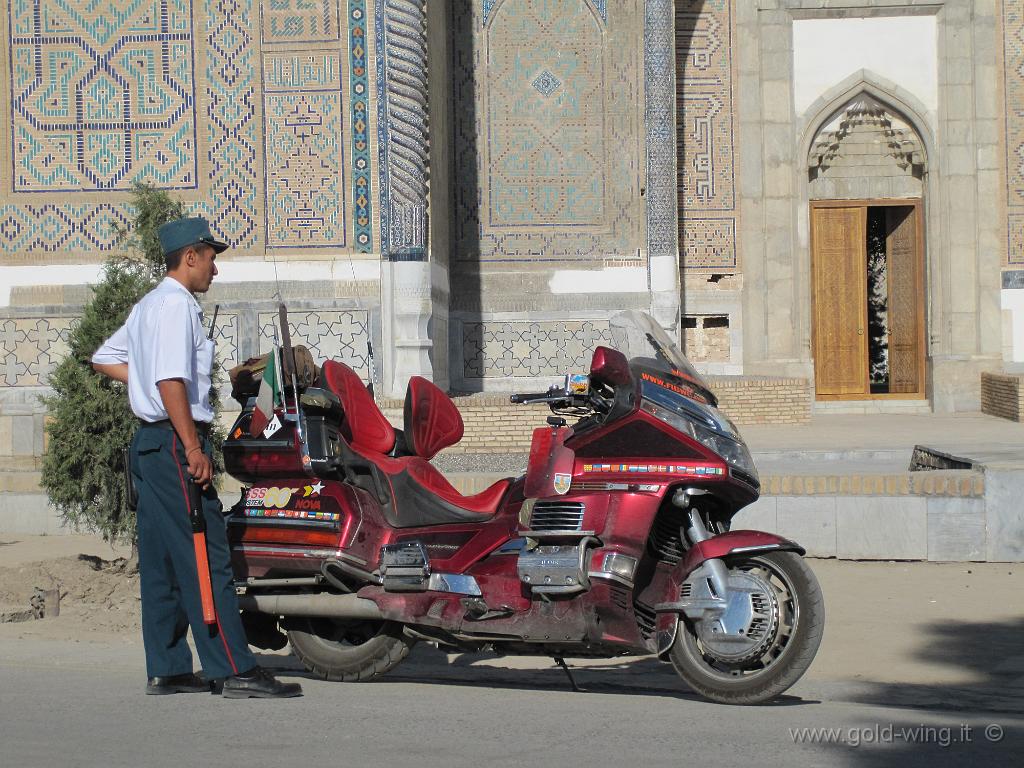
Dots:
pixel 788 619
pixel 348 651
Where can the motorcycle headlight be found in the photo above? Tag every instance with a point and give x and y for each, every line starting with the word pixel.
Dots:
pixel 735 453
pixel 729 448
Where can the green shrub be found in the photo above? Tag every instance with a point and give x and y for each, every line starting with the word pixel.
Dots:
pixel 89 420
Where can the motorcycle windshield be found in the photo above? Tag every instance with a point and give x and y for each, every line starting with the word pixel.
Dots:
pixel 646 345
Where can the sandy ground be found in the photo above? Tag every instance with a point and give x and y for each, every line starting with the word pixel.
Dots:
pixel 899 624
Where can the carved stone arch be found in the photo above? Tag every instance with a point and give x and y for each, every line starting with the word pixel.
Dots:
pixel 867 83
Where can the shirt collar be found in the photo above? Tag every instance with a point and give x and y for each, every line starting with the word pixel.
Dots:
pixel 169 283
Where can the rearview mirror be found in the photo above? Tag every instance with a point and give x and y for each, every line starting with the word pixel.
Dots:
pixel 610 366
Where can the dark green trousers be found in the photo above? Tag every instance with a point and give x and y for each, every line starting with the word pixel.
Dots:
pixel 167 565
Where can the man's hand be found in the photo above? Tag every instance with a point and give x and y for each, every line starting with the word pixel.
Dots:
pixel 199 466
pixel 175 397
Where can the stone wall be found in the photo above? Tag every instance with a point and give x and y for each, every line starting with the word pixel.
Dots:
pixel 1002 395
pixel 763 399
pixel 493 425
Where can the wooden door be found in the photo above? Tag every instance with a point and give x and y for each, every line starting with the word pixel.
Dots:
pixel 904 276
pixel 839 267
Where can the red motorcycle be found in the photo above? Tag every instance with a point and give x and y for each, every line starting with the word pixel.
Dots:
pixel 615 542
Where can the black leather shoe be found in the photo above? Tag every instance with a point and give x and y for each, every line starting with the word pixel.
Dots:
pixel 257 683
pixel 187 683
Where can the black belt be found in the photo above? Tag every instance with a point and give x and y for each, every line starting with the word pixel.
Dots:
pixel 202 427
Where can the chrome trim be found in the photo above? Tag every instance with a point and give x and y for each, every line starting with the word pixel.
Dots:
pixel 354 558
pixel 302 581
pixel 611 577
pixel 264 549
pixel 557 515
pixel 454 582
pixel 543 534
pixel 755 548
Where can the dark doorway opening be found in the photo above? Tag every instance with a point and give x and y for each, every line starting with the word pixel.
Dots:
pixel 868 265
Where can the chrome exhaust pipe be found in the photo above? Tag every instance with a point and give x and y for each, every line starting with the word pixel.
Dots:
pixel 321 605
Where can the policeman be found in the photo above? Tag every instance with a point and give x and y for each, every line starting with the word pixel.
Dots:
pixel 164 357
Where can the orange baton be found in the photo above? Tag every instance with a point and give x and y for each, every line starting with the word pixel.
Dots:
pixel 202 561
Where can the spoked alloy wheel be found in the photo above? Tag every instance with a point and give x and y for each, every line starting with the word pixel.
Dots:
pixel 352 651
pixel 785 619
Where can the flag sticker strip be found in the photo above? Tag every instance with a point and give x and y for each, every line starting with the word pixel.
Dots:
pixel 656 469
pixel 294 514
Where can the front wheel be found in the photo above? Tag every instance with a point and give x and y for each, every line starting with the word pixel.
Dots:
pixel 348 651
pixel 774 647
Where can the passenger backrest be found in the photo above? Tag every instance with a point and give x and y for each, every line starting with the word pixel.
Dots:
pixel 432 422
pixel 365 426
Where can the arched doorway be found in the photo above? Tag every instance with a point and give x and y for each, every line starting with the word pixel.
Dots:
pixel 866 171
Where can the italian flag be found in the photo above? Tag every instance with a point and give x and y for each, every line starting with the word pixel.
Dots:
pixel 267 399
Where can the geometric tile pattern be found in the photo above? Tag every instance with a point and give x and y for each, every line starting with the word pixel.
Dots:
pixel 305 183
pixel 545 114
pixel 707 195
pixel 225 336
pixel 53 228
pixel 299 21
pixel 541 163
pixel 707 243
pixel 546 83
pixel 1015 238
pixel 31 347
pixel 329 334
pixel 601 6
pixel 554 348
pixel 402 132
pixel 359 83
pixel 231 196
pixel 1013 84
pixel 169 91
pixel 102 95
pixel 660 119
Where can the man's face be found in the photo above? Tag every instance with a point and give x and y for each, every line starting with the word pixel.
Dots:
pixel 203 267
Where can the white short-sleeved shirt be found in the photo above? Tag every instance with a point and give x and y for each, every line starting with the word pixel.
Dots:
pixel 163 339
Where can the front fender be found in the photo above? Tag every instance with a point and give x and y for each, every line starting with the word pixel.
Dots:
pixel 723 545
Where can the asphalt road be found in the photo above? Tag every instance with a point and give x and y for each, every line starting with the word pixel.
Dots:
pixel 65 703
pixel 918 660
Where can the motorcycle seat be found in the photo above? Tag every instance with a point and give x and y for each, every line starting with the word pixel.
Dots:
pixel 421 495
pixel 364 427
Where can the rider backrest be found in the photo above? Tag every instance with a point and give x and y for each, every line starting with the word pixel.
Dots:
pixel 432 422
pixel 365 426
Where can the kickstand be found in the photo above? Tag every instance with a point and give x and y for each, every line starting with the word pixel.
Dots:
pixel 561 662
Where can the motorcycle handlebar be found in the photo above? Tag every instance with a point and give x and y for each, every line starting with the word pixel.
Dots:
pixel 528 397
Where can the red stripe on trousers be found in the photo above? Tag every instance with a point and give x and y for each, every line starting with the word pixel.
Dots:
pixel 188 513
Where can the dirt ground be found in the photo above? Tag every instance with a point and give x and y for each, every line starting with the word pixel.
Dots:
pixel 954 624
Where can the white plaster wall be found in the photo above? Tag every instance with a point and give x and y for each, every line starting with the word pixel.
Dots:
pixel 903 49
pixel 228 272
pixel 606 280
pixel 1013 305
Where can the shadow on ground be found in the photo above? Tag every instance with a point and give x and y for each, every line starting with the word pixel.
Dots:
pixel 955 724
pixel 993 654
pixel 630 676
